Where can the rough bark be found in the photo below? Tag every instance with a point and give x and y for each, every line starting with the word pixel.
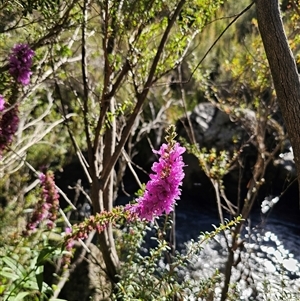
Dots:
pixel 283 69
pixel 106 239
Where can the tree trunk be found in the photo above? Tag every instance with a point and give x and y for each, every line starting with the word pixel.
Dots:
pixel 283 69
pixel 106 239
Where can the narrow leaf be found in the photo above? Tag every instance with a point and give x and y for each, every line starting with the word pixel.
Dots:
pixel 39 279
pixel 16 267
pixel 21 296
pixel 9 275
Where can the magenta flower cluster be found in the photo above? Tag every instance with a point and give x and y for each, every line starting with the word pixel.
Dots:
pixel 163 189
pixel 48 206
pixel 8 124
pixel 20 63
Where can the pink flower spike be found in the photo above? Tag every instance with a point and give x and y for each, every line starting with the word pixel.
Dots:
pixel 48 205
pixel 162 190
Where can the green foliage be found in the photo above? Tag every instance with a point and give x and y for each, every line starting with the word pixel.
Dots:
pixel 155 275
pixel 215 164
pixel 21 273
pixel 42 5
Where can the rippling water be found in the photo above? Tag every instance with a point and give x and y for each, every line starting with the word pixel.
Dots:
pixel 269 267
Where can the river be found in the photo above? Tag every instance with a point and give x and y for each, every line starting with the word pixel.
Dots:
pixel 269 267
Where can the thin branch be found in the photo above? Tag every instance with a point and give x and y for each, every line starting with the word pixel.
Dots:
pixel 9 159
pixel 108 43
pixel 86 87
pixel 77 149
pixel 295 7
pixel 131 168
pixel 80 188
pixel 112 92
pixel 65 197
pixel 67 273
pixel 190 131
pixel 35 183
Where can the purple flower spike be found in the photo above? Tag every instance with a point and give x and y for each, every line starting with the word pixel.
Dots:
pixel 162 190
pixel 20 62
pixel 48 206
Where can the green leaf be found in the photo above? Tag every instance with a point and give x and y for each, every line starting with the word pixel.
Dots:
pixel 9 262
pixel 9 274
pixel 21 296
pixel 16 267
pixel 43 256
pixel 65 51
pixel 39 279
pixel 30 284
pixel 2 289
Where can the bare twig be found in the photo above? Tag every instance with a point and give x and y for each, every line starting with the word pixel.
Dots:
pixel 190 131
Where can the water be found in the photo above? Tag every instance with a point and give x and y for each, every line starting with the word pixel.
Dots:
pixel 269 262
